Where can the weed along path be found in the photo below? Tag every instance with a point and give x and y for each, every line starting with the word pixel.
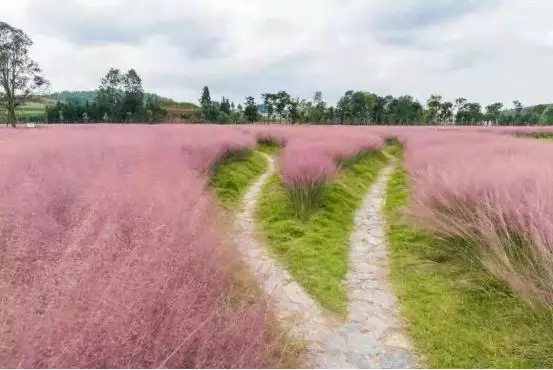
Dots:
pixel 371 336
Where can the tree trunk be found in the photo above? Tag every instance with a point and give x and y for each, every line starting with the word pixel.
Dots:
pixel 11 116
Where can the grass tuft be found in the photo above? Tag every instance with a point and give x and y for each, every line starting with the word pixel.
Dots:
pixel 459 315
pixel 315 251
pixel 232 175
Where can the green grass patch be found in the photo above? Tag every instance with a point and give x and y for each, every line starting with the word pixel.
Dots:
pixel 268 147
pixel 232 176
pixel 458 315
pixel 315 251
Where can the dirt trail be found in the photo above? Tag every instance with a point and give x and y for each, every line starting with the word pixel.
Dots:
pixel 372 336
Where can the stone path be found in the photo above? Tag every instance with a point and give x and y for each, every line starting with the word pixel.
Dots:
pixel 299 312
pixel 372 336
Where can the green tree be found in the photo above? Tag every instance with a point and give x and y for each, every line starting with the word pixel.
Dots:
pixel 405 110
pixel 154 110
pixel 379 110
pixel 134 93
pixel 317 111
pixel 20 76
pixel 474 113
pixel 330 114
pixel 110 95
pixel 269 100
pixel 206 96
pixel 250 111
pixel 209 111
pixel 223 118
pixel 225 106
pixel 281 101
pixel 517 119
pixel 344 107
pixel 434 105
pixel 546 118
pixel 461 112
pixel 446 112
pixel 293 112
pixel 493 112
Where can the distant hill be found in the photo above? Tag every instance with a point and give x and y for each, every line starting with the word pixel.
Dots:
pixel 538 107
pixel 34 110
pixel 90 95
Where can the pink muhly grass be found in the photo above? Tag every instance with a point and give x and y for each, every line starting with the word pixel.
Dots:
pixel 496 192
pixel 111 256
pixel 310 161
pixel 306 178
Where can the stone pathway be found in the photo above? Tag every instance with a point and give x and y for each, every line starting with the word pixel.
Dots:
pixel 372 336
pixel 299 312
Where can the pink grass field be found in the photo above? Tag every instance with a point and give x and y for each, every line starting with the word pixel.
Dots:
pixel 113 252
pixel 494 190
pixel 481 184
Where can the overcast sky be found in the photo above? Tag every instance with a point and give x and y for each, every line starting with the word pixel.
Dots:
pixel 485 50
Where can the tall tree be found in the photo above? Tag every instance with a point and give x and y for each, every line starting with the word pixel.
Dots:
pixel 517 119
pixel 378 109
pixel 225 106
pixel 474 113
pixel 446 112
pixel 344 107
pixel 461 113
pixel 493 112
pixel 20 76
pixel 281 101
pixel 206 96
pixel 250 111
pixel 134 93
pixel 110 95
pixel 434 105
pixel 269 102
pixel 318 109
pixel 293 112
pixel 405 110
pixel 209 110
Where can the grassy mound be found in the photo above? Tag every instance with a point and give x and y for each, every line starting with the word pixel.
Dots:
pixel 315 251
pixel 459 315
pixel 232 176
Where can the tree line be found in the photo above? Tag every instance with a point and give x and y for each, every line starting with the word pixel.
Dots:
pixel 366 108
pixel 120 98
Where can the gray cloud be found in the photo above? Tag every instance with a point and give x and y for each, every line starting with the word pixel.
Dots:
pixel 127 23
pixel 409 15
pixel 273 76
pixel 408 23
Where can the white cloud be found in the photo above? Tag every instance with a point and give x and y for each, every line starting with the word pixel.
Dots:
pixel 485 50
